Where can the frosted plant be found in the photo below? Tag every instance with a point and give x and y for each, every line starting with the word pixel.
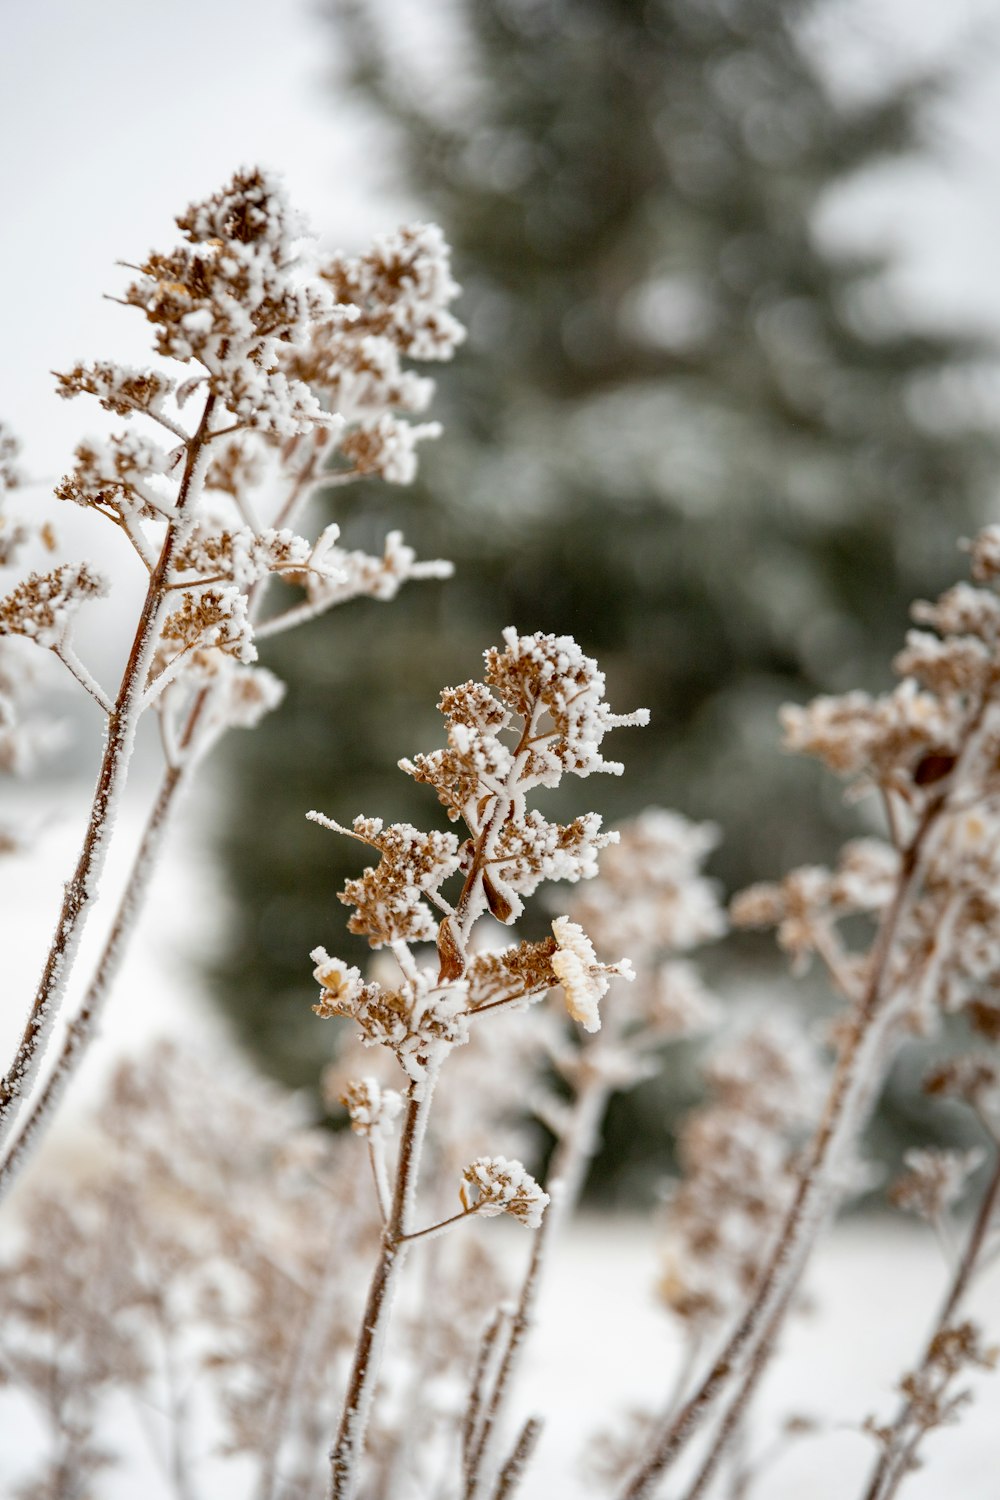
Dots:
pixel 652 899
pixel 930 751
pixel 932 1184
pixel 199 1262
pixel 539 715
pixel 279 375
pixel 738 1156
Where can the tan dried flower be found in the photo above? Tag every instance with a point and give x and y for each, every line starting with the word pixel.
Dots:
pixel 211 617
pixel 44 606
pixel 584 979
pixel 494 1185
pixel 373 1110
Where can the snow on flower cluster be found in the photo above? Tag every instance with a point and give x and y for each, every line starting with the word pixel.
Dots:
pixel 388 304
pixel 289 378
pixel 548 694
pixel 585 982
pixel 494 1185
pixel 371 1108
pixel 231 297
pixel 539 714
pixel 389 898
pixel 43 607
pixel 546 675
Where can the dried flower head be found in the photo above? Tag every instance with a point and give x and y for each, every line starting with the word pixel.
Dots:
pixel 44 606
pixel 230 299
pixel 934 1181
pixel 584 980
pixel 372 1109
pixel 494 1185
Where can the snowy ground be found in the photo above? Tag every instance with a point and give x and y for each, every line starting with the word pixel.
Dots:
pixel 602 1346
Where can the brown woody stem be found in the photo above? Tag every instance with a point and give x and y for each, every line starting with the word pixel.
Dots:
pixel 81 890
pixel 175 778
pixel 348 1448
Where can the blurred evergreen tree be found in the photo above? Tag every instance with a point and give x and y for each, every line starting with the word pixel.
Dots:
pixel 683 429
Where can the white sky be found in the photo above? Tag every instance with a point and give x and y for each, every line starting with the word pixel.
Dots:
pixel 114 114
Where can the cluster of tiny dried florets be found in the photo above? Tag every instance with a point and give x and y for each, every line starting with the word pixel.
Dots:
pixel 934 1181
pixel 930 1395
pixel 653 900
pixel 494 1185
pixel 932 749
pixel 240 301
pixel 930 894
pixel 546 717
pixel 209 1255
pixel 395 299
pixel 539 714
pixel 807 907
pixel 225 443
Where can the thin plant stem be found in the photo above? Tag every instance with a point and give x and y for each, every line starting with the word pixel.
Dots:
pixel 481 1455
pixel 318 1312
pixel 813 1201
pixel 574 1151
pixel 82 888
pixel 84 1024
pixel 735 1415
pixel 514 1469
pixel 174 780
pixel 486 1360
pixel 348 1448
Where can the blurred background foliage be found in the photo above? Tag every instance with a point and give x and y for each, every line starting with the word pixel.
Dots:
pixel 684 429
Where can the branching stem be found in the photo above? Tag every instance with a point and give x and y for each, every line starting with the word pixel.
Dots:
pixel 850 1090
pixel 81 889
pixel 348 1448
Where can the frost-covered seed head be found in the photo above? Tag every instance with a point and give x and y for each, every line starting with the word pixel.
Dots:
pixel 494 1185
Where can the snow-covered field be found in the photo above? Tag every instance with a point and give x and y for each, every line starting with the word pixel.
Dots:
pixel 603 1345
